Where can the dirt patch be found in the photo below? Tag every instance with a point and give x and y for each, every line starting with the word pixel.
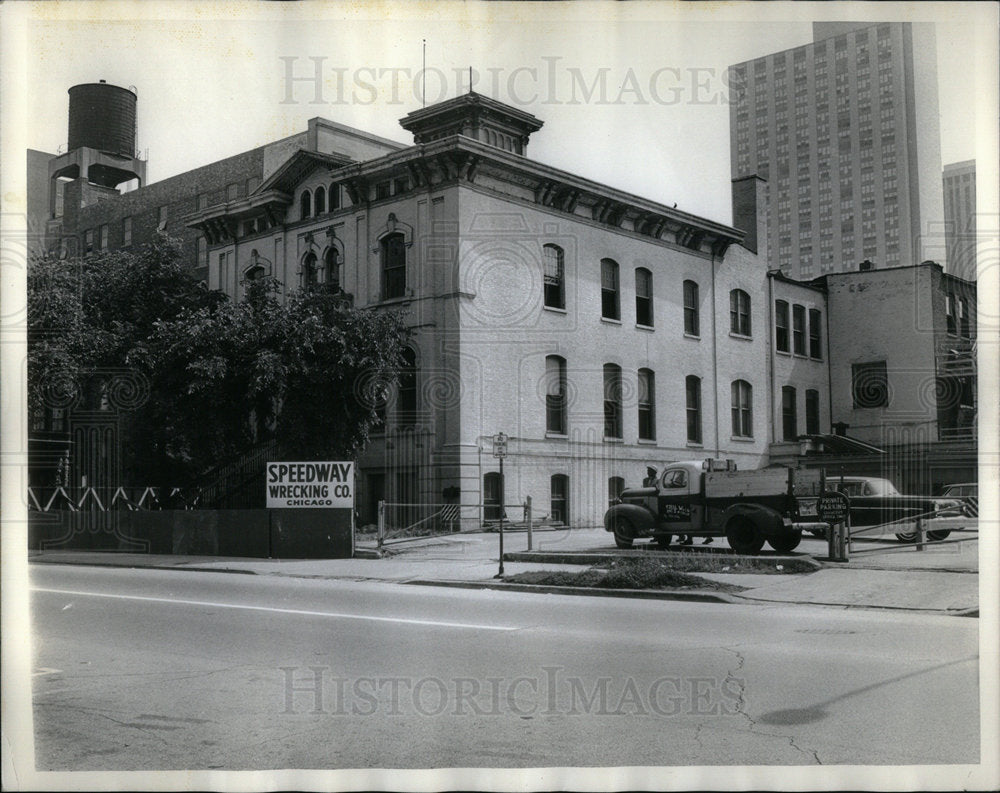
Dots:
pixel 624 574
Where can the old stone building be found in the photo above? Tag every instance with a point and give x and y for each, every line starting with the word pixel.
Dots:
pixel 601 332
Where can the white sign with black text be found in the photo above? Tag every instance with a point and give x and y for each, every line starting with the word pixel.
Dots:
pixel 310 484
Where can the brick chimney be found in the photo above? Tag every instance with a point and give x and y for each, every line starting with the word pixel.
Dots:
pixel 750 212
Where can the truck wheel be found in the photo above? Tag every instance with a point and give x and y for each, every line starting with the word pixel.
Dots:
pixel 911 537
pixel 744 536
pixel 623 533
pixel 663 540
pixel 938 535
pixel 785 542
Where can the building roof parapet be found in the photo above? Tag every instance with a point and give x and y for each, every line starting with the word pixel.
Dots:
pixel 461 158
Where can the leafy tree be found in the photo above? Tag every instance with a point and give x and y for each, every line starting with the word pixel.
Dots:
pixel 216 376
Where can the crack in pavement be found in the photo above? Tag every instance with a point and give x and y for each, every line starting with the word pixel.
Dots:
pixel 732 675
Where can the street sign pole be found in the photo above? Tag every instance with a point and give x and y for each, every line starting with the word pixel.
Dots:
pixel 500 574
pixel 500 451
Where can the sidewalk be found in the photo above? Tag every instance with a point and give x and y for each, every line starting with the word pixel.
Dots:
pixel 944 579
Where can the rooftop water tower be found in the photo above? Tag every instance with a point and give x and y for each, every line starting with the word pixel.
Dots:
pixel 102 135
pixel 102 117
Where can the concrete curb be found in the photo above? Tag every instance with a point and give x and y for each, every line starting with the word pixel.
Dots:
pixel 591 557
pixel 135 566
pixel 645 594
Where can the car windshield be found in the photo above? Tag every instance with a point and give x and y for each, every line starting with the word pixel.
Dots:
pixel 880 487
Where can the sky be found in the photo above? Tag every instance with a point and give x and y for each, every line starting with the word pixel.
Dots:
pixel 632 95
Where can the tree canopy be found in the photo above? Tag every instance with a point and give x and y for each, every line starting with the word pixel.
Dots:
pixel 198 379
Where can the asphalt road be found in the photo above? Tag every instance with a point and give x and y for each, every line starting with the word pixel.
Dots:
pixel 157 669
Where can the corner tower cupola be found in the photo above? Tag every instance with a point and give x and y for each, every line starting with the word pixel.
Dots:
pixel 474 116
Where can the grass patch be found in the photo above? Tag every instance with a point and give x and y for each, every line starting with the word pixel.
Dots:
pixel 726 563
pixel 624 574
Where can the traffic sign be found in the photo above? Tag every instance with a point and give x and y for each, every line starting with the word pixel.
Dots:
pixel 500 445
pixel 833 507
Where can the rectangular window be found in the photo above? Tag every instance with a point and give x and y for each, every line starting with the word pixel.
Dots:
pixel 559 501
pixel 554 277
pixel 104 236
pixel 799 329
pixel 951 322
pixel 644 297
pixel 555 395
pixel 232 190
pixel 781 325
pixel 742 409
pixel 393 267
pixel 610 303
pixel 692 388
pixel 88 241
pixel 869 385
pixel 127 231
pixel 815 334
pixel 202 251
pixel 691 324
pixel 612 401
pixel 400 186
pixel 382 190
pixel 812 411
pixel 789 420
pixel 965 318
pixel 647 402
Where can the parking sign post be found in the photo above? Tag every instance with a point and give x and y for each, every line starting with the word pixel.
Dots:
pixel 500 451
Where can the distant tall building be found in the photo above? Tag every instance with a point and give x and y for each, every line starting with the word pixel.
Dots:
pixel 845 131
pixel 960 218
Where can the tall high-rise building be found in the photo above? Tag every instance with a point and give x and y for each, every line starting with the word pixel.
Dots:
pixel 960 218
pixel 845 131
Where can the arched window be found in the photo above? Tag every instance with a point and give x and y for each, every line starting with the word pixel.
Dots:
pixel 319 200
pixel 309 270
pixel 647 405
pixel 612 401
pixel 692 391
pixel 610 302
pixel 739 312
pixel 393 266
pixel 643 297
pixel 616 485
pixel 406 405
pixel 553 277
pixel 334 197
pixel 555 394
pixel 742 407
pixel 332 266
pixel 305 205
pixel 559 499
pixel 692 326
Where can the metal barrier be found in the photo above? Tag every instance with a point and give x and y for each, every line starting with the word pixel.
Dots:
pixel 921 527
pixel 401 523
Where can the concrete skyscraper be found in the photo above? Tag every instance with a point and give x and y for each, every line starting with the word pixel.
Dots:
pixel 960 218
pixel 845 131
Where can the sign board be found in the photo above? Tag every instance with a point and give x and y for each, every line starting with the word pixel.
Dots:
pixel 500 445
pixel 833 507
pixel 324 485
